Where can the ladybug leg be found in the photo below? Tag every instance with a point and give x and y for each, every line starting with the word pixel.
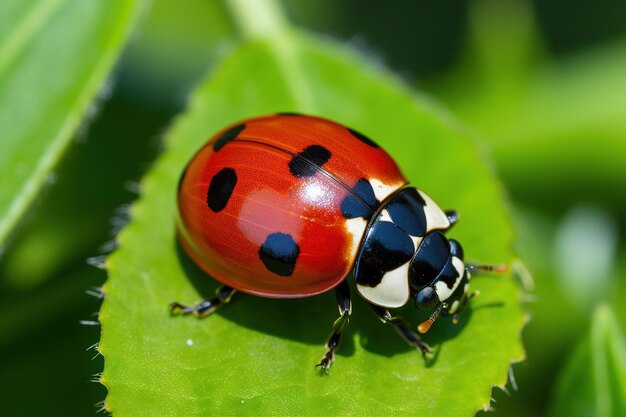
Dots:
pixel 477 269
pixel 205 307
pixel 453 217
pixel 403 329
pixel 463 305
pixel 342 292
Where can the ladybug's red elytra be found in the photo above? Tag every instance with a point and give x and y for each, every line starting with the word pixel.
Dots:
pixel 285 206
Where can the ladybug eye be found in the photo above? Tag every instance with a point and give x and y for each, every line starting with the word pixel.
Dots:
pixel 426 299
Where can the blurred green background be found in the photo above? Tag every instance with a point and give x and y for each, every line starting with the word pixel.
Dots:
pixel 542 86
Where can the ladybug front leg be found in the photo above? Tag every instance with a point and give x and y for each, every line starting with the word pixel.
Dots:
pixel 403 329
pixel 205 307
pixel 344 303
pixel 453 217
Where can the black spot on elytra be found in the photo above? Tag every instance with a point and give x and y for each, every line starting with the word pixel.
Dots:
pixel 228 136
pixel 279 254
pixel 385 248
pixel 221 188
pixel 364 190
pixel 362 201
pixel 352 207
pixel 406 210
pixel 286 113
pixel 309 161
pixel 360 136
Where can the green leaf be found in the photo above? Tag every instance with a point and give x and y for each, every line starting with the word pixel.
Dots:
pixel 594 382
pixel 50 313
pixel 156 68
pixel 572 108
pixel 37 254
pixel 257 356
pixel 54 57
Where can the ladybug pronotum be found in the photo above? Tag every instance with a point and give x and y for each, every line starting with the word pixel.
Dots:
pixel 286 206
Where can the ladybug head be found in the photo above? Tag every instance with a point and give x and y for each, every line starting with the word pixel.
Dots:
pixel 439 278
pixel 449 292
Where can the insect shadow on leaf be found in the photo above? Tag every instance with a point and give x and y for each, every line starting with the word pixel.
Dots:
pixel 303 319
pixel 306 319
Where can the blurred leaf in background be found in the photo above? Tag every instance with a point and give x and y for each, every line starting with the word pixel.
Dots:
pixel 413 37
pixel 551 123
pixel 173 50
pixel 585 254
pixel 594 382
pixel 49 77
pixel 50 83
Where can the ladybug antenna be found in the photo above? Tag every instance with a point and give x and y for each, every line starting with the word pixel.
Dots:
pixel 425 325
pixel 499 268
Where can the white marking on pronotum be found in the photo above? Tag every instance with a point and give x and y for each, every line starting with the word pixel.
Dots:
pixel 393 290
pixel 189 342
pixel 436 219
pixel 382 190
pixel 356 228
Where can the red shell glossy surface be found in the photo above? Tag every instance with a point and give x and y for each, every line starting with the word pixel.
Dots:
pixel 267 199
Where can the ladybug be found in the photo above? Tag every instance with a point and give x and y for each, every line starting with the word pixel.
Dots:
pixel 287 205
